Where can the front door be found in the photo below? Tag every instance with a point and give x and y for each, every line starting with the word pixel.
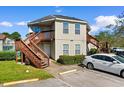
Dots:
pixel 47 49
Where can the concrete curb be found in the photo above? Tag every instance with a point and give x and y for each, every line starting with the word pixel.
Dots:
pixel 69 71
pixel 19 82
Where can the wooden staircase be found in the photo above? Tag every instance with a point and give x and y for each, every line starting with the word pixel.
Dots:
pixel 92 40
pixel 31 51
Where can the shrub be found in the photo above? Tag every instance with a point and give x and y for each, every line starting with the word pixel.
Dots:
pixel 65 59
pixel 92 51
pixel 7 56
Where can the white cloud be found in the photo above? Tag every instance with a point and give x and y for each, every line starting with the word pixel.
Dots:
pixel 6 24
pixel 58 10
pixel 101 22
pixel 22 23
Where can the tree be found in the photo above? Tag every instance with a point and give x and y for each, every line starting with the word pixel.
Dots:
pixel 114 34
pixel 15 35
pixel 6 33
pixel 105 36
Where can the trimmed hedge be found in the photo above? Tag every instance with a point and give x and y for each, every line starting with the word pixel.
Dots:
pixel 92 51
pixel 65 59
pixel 7 56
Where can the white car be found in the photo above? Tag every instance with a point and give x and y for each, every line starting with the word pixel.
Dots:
pixel 106 62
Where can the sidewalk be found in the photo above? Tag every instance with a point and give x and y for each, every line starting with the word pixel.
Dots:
pixel 55 68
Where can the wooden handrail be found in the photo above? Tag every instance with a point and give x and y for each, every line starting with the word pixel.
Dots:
pixel 91 39
pixel 30 49
pixel 39 50
pixel 40 33
pixel 29 53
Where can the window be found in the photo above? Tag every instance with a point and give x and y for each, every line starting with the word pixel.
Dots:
pixel 97 57
pixel 121 59
pixel 77 49
pixel 109 59
pixel 65 27
pixel 7 48
pixel 104 58
pixel 65 49
pixel 77 28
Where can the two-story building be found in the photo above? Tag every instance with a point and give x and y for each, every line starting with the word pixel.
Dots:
pixel 52 36
pixel 69 35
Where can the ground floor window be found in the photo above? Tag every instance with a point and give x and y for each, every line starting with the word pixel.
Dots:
pixel 7 48
pixel 65 49
pixel 77 49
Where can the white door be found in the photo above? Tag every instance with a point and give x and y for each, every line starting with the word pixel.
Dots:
pixel 47 49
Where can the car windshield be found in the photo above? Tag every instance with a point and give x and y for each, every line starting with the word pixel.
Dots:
pixel 121 59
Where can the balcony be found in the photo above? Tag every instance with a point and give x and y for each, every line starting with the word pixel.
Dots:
pixel 44 36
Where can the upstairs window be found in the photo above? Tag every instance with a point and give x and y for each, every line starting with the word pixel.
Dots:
pixel 77 28
pixel 65 27
pixel 65 49
pixel 77 49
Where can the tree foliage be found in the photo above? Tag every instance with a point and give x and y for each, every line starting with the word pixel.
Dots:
pixel 14 35
pixel 113 34
pixel 6 33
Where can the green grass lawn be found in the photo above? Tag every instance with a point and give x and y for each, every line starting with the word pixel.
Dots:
pixel 10 71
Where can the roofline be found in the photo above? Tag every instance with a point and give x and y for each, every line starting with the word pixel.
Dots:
pixel 52 19
pixel 62 19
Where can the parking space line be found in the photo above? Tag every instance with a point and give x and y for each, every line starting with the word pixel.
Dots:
pixel 69 71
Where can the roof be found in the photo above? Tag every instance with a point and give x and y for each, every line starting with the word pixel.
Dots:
pixel 2 37
pixel 54 17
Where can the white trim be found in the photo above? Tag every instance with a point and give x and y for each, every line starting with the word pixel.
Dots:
pixel 41 21
pixel 62 19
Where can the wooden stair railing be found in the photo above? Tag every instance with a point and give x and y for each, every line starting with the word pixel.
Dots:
pixel 30 53
pixel 40 53
pixel 29 47
pixel 43 36
pixel 92 40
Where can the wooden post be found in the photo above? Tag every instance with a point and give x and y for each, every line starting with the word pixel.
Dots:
pixel 16 57
pixel 22 58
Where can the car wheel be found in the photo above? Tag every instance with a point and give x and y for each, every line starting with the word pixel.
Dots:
pixel 90 66
pixel 122 73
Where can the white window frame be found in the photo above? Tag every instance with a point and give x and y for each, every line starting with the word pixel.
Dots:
pixel 65 49
pixel 77 49
pixel 77 29
pixel 65 28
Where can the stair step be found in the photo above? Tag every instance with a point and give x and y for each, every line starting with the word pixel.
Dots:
pixel 44 64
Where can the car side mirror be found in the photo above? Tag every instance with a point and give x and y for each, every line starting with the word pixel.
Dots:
pixel 115 62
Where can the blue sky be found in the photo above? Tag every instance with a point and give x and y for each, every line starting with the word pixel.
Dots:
pixel 15 18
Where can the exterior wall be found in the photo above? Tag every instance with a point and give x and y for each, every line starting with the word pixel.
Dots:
pixel 71 38
pixel 1 45
pixel 52 48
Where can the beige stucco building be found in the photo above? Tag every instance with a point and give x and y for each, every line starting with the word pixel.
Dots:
pixel 62 35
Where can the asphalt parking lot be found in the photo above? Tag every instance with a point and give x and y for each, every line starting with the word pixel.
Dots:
pixel 82 77
pixel 87 78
